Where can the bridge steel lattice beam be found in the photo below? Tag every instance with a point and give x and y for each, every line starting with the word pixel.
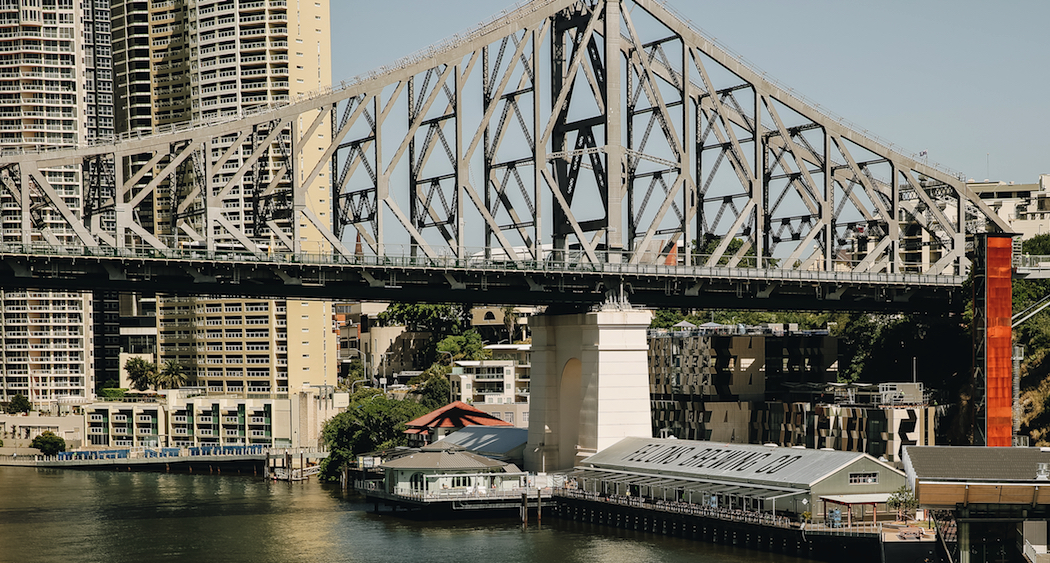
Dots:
pixel 584 132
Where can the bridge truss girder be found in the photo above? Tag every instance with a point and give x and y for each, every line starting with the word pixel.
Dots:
pixel 584 131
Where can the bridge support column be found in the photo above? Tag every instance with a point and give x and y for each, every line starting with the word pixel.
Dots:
pixel 590 385
pixel 993 341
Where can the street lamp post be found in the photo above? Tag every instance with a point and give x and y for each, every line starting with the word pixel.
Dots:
pixel 450 361
pixel 364 364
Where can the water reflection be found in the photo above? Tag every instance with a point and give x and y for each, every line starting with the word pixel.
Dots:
pixel 64 515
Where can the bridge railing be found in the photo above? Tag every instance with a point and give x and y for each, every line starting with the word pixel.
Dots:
pixel 1031 261
pixel 574 261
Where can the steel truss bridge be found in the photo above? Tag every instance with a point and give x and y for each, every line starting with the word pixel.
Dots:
pixel 562 151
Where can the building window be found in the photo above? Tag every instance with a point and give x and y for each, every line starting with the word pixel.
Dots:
pixel 863 478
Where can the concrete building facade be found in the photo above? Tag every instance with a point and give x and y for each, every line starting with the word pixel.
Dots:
pixel 1025 206
pixel 191 418
pixel 690 369
pixel 203 60
pixel 776 384
pixel 55 69
pixel 246 346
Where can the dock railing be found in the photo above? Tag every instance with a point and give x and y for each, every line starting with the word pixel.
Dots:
pixel 679 507
pixel 857 529
pixel 1036 553
pixel 375 488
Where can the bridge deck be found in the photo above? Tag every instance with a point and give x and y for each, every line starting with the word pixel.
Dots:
pixel 405 277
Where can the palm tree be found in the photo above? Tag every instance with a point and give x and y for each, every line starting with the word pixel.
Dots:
pixel 141 374
pixel 172 376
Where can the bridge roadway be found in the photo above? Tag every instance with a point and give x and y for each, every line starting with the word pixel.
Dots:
pixel 572 281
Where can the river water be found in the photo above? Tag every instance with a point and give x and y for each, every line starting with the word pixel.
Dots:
pixel 85 516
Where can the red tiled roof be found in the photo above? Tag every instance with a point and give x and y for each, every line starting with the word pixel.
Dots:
pixel 456 415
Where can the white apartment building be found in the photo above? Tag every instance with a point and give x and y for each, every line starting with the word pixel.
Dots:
pixel 250 346
pixel 181 60
pixel 498 385
pixel 54 73
pixel 1025 206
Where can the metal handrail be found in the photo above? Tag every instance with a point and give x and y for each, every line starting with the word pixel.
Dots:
pixel 571 261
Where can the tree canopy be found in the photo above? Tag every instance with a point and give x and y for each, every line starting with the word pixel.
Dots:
pixel 48 443
pixel 433 389
pixel 466 346
pixel 141 374
pixel 173 375
pixel 1034 336
pixel 371 422
pixel 440 320
pixel 903 501
pixel 112 393
pixel 19 403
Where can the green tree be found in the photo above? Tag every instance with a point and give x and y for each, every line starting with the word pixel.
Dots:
pixel 440 320
pixel 19 403
pixel 1034 336
pixel 371 422
pixel 112 393
pixel 141 374
pixel 666 318
pixel 903 501
pixel 434 393
pixel 466 346
pixel 710 244
pixel 48 443
pixel 172 376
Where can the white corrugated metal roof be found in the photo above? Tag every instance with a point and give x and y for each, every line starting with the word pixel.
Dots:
pixel 737 463
pixel 492 440
pixel 688 484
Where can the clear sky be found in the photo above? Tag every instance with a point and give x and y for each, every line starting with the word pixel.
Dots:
pixel 967 80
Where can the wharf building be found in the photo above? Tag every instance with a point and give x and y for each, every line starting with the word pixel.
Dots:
pixel 55 91
pixel 198 61
pixel 753 478
pixel 989 504
pixel 761 385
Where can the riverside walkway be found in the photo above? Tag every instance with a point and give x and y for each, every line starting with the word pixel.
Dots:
pixel 204 458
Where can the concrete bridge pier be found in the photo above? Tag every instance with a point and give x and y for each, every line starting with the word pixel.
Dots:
pixel 590 384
